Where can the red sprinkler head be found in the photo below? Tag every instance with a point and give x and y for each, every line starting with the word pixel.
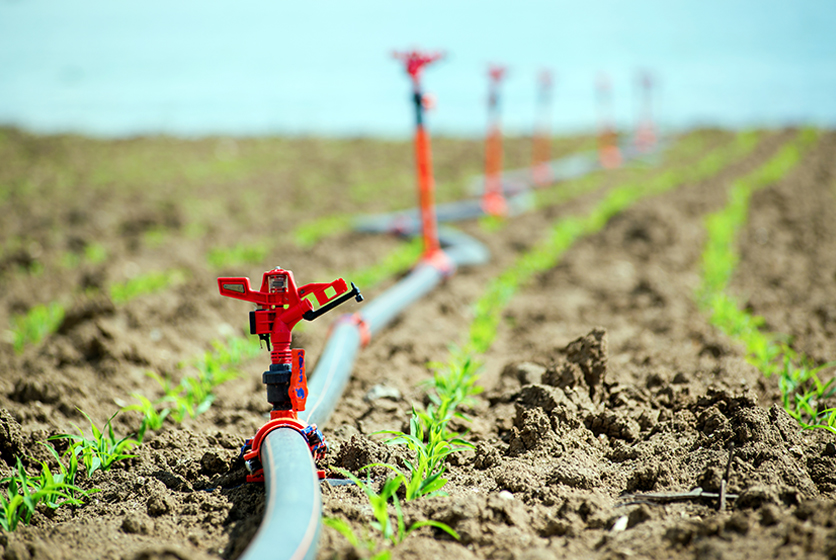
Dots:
pixel 416 60
pixel 609 154
pixel 280 305
pixel 496 72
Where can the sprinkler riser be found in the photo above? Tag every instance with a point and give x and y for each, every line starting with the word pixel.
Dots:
pixel 277 379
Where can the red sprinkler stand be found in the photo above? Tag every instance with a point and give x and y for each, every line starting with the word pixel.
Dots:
pixel 541 149
pixel 415 61
pixel 493 201
pixel 280 307
pixel 608 153
pixel 646 132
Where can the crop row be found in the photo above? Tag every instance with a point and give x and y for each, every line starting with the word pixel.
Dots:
pixel 455 382
pixel 801 388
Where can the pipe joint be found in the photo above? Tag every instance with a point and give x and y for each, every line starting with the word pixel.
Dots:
pixel 362 326
pixel 251 452
pixel 440 261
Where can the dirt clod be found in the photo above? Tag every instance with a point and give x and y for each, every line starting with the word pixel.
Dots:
pixel 11 438
pixel 212 463
pixel 585 364
pixel 137 524
pixel 159 505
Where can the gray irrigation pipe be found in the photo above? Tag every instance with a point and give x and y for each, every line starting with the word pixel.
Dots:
pixel 291 523
pixel 517 185
pixel 516 181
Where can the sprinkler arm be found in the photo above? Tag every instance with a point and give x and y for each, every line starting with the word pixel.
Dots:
pixel 414 62
pixel 353 293
pixel 297 305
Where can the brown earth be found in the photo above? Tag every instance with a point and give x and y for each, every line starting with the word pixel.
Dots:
pixel 605 379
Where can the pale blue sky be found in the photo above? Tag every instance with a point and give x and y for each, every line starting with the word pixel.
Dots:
pixel 201 66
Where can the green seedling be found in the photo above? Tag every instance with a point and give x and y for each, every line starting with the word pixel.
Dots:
pixel 24 493
pixel 309 234
pixel 94 253
pixel 102 450
pixel 194 394
pixel 236 351
pixel 238 255
pixel 155 237
pixel 802 390
pixel 389 535
pixel 66 476
pixel 452 386
pixel 144 284
pixel 184 403
pixel 152 416
pixel 34 326
pixel 426 473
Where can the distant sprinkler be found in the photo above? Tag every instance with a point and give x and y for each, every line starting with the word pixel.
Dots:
pixel 493 201
pixel 541 148
pixel 414 62
pixel 608 153
pixel 645 130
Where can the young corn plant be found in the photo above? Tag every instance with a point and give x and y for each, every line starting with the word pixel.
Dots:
pixel 24 493
pixel 802 390
pixel 238 255
pixel 452 386
pixel 388 533
pixel 102 450
pixel 308 234
pixel 194 394
pixel 66 475
pixel 153 415
pixel 426 472
pixel 34 326
pixel 144 284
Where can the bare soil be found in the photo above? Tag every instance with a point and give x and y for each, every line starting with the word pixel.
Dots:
pixel 605 379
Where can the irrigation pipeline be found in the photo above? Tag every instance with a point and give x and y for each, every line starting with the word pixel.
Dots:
pixel 291 524
pixel 517 185
pixel 518 181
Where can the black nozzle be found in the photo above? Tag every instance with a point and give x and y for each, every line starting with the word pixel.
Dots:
pixel 354 292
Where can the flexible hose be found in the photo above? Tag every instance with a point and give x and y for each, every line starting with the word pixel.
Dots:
pixel 294 506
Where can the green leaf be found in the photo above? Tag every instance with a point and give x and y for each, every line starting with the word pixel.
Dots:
pixel 342 528
pixel 437 524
